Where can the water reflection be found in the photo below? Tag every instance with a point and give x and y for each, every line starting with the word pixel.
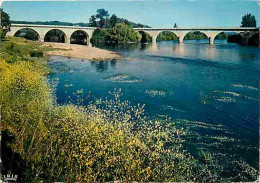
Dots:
pixel 101 66
pixel 113 63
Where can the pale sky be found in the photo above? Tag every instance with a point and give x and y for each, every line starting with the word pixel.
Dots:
pixel 192 13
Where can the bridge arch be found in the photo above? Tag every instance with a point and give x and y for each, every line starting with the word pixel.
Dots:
pixel 195 35
pixel 55 35
pixel 167 36
pixel 254 40
pixel 231 36
pixel 27 33
pixel 146 37
pixel 79 37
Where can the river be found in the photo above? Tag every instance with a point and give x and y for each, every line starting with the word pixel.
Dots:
pixel 212 89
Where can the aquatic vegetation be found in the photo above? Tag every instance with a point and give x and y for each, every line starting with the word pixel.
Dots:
pixel 121 78
pixel 168 107
pixel 226 99
pixel 68 85
pixel 79 91
pixel 227 92
pixel 244 86
pixel 153 93
pixel 61 67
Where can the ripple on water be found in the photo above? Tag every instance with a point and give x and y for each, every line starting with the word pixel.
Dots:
pixel 169 107
pixel 244 86
pixel 122 78
pixel 227 99
pixel 153 93
pixel 159 93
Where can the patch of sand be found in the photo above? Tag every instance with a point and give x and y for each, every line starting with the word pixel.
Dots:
pixel 81 51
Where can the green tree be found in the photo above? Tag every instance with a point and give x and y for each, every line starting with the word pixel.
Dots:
pixel 140 25
pixel 103 16
pixel 92 21
pixel 175 25
pixel 126 22
pixel 248 21
pixel 5 23
pixel 122 33
pixel 99 35
pixel 27 34
pixel 166 36
pixel 113 21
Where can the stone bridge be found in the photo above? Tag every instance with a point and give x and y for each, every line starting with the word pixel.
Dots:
pixel 211 33
pixel 42 30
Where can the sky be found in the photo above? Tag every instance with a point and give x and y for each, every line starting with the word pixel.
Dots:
pixel 158 14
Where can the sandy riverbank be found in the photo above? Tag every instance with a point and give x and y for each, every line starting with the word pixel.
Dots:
pixel 81 51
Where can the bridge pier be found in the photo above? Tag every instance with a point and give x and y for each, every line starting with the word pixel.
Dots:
pixel 180 39
pixel 211 40
pixel 153 34
pixel 180 35
pixel 67 39
pixel 154 39
pixel 41 38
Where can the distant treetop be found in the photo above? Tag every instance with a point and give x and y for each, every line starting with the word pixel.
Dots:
pixel 248 21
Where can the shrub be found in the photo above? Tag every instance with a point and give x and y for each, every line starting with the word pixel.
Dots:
pixel 36 53
pixel 2 35
pixel 9 45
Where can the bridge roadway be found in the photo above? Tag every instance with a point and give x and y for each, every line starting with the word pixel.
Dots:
pixel 210 32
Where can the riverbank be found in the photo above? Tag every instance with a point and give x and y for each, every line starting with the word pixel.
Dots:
pixel 80 51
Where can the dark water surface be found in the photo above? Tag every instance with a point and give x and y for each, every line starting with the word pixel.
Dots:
pixel 213 89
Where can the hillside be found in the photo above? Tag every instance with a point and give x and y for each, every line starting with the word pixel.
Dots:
pixel 132 24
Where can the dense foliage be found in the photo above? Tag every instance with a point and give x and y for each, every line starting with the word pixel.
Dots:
pixel 145 37
pixel 55 35
pixel 27 34
pixel 5 23
pixel 121 33
pixel 195 35
pixel 99 35
pixel 221 35
pixel 248 20
pixel 166 36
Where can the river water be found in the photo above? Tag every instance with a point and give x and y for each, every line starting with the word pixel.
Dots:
pixel 212 89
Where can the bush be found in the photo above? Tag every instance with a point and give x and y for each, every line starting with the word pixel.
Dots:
pixel 2 35
pixel 9 45
pixel 99 35
pixel 36 53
